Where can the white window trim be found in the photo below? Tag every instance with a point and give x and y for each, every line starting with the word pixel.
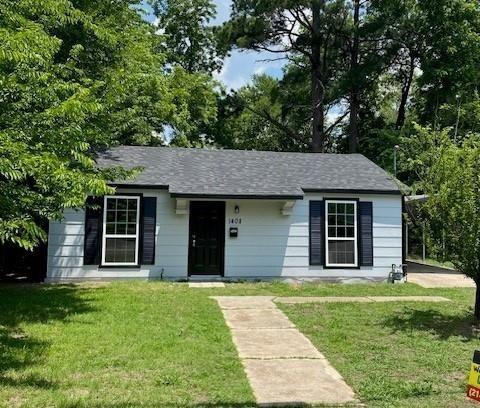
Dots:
pixel 105 235
pixel 354 239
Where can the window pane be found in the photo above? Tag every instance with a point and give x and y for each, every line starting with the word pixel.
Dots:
pixel 341 232
pixel 349 252
pixel 120 250
pixel 132 229
pixel 121 216
pixel 350 232
pixel 121 204
pixel 332 232
pixel 350 219
pixel 121 228
pixel 341 252
pixel 110 228
pixel 340 208
pixel 332 208
pixel 340 219
pixel 332 220
pixel 109 250
pixel 132 205
pixel 130 250
pixel 350 209
pixel 111 203
pixel 132 216
pixel 110 216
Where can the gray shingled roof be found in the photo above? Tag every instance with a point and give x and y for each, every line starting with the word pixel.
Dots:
pixel 208 172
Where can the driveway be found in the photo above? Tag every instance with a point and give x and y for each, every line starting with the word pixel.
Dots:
pixel 436 277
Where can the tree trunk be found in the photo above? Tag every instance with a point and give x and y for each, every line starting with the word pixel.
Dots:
pixel 476 313
pixel 318 119
pixel 354 100
pixel 402 109
pixel 353 125
pixel 318 89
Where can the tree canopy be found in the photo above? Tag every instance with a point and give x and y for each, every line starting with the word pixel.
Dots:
pixel 449 174
pixel 366 69
pixel 75 78
pixel 189 38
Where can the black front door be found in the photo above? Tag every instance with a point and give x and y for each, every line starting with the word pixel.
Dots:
pixel 207 238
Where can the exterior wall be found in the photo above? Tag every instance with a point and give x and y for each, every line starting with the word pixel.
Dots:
pixel 269 244
pixel 274 245
pixel 65 246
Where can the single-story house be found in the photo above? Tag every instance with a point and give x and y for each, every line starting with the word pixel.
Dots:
pixel 233 214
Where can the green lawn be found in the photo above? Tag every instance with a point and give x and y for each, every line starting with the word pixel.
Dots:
pixel 134 344
pixel 396 355
pixel 154 344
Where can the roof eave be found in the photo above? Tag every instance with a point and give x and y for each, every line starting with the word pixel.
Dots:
pixel 139 186
pixel 239 196
pixel 256 196
pixel 351 191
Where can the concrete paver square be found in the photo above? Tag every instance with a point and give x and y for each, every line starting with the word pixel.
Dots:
pixel 273 343
pixel 245 302
pixel 297 381
pixel 256 319
pixel 206 284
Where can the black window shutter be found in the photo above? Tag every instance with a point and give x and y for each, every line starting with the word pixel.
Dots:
pixel 149 215
pixel 92 249
pixel 366 233
pixel 317 232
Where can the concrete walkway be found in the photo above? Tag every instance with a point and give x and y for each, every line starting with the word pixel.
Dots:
pixel 282 365
pixel 436 277
pixel 361 299
pixel 206 284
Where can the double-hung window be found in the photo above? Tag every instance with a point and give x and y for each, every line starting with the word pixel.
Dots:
pixel 120 230
pixel 341 233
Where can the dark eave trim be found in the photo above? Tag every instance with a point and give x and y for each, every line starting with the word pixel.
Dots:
pixel 239 196
pixel 352 191
pixel 140 186
pixel 257 196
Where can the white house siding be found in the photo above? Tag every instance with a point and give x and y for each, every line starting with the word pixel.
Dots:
pixel 269 244
pixel 273 245
pixel 65 246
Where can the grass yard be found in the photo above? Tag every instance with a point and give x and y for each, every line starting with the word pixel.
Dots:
pixel 396 355
pixel 154 344
pixel 122 345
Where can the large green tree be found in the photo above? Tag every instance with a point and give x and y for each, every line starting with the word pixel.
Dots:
pixel 338 47
pixel 254 117
pixel 451 61
pixel 76 77
pixel 449 173
pixel 189 38
pixel 415 59
pixel 312 30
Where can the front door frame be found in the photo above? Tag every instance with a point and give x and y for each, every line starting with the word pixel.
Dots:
pixel 221 236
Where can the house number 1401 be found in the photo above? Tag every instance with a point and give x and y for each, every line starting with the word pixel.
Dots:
pixel 234 221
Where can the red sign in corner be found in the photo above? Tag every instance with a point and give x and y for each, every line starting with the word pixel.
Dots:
pixel 473 392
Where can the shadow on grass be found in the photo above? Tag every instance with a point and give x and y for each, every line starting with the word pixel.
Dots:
pixel 440 324
pixel 26 304
pixel 80 404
